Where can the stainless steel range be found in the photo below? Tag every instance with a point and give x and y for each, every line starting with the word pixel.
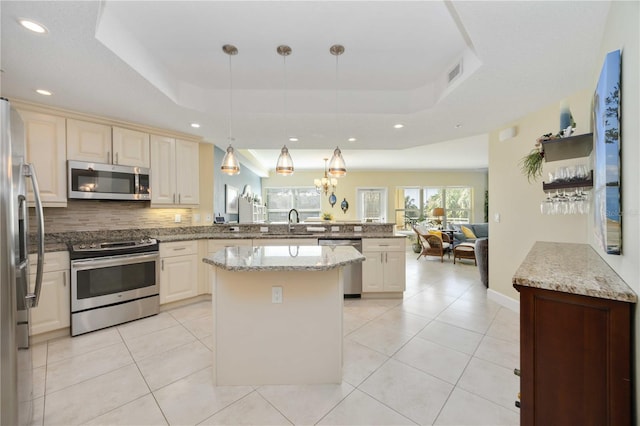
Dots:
pixel 113 282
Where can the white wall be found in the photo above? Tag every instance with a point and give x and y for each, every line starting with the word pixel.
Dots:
pixel 517 201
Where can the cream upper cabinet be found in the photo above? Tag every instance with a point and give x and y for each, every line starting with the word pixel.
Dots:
pixel 187 172
pixel 100 143
pixel 384 268
pixel 174 172
pixel 130 148
pixel 88 141
pixel 45 145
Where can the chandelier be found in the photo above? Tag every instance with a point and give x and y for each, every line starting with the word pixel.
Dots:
pixel 323 184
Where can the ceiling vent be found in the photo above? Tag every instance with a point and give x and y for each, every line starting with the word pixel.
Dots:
pixel 455 72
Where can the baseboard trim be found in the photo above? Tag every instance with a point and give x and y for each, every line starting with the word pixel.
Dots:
pixel 503 300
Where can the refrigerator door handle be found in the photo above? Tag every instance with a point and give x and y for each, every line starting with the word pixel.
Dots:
pixel 33 298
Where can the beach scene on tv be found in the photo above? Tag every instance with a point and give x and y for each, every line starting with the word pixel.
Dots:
pixel 607 196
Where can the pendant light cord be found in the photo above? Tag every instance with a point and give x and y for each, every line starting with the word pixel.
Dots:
pixel 284 99
pixel 230 102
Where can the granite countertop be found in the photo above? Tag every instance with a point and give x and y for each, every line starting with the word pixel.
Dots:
pixel 164 238
pixel 59 241
pixel 571 268
pixel 284 258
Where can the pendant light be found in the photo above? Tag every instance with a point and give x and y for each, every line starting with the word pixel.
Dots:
pixel 285 163
pixel 337 167
pixel 230 163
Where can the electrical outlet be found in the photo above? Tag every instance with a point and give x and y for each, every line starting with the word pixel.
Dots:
pixel 276 294
pixel 208 217
pixel 264 229
pixel 196 217
pixel 357 229
pixel 177 218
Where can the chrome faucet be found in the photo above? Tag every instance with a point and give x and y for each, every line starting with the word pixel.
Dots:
pixel 291 221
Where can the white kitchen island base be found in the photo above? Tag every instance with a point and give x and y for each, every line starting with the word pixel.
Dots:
pixel 298 341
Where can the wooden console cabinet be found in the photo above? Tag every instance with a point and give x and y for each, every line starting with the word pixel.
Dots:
pixel 575 359
pixel 575 338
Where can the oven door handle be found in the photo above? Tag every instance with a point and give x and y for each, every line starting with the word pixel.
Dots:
pixel 83 264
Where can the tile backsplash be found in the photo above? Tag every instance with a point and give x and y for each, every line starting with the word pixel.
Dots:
pixel 85 215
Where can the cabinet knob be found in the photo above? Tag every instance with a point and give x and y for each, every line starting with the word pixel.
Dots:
pixel 516 371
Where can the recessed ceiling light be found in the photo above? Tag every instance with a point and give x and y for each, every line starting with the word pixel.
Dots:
pixel 43 92
pixel 293 139
pixel 195 125
pixel 352 139
pixel 33 26
pixel 398 126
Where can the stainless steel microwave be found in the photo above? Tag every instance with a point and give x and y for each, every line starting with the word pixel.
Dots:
pixel 97 181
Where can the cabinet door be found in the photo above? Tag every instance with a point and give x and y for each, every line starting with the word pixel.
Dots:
pixel 187 172
pixel 88 141
pixel 178 278
pixel 163 173
pixel 54 309
pixel 394 271
pixel 130 148
pixel 373 271
pixel 46 150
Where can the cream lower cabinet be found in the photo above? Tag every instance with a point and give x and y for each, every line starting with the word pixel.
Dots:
pixel 54 308
pixel 285 242
pixel 46 150
pixel 212 247
pixel 384 268
pixel 178 271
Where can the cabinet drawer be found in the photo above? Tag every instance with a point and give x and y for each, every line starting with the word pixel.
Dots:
pixel 383 244
pixel 215 245
pixel 53 261
pixel 178 248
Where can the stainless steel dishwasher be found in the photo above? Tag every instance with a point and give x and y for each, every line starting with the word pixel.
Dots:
pixel 353 273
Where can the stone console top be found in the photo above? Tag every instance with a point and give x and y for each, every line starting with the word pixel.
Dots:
pixel 571 268
pixel 283 258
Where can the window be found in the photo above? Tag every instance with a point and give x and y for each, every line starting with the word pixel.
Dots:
pixel 372 204
pixel 455 200
pixel 414 204
pixel 280 200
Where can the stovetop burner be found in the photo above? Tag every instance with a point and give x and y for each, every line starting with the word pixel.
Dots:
pixel 112 248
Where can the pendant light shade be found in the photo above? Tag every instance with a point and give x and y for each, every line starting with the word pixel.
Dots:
pixel 285 163
pixel 337 167
pixel 284 166
pixel 230 164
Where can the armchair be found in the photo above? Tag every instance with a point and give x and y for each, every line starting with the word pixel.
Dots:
pixel 433 244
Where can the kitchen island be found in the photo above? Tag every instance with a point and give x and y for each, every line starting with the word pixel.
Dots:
pixel 277 314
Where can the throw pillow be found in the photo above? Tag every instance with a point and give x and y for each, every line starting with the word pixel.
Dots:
pixel 434 232
pixel 467 232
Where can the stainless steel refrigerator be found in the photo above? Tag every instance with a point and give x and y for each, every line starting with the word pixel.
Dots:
pixel 16 298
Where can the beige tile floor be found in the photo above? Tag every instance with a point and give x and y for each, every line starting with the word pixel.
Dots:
pixel 443 355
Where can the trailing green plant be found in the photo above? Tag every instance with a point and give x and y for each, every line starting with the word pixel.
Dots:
pixel 532 163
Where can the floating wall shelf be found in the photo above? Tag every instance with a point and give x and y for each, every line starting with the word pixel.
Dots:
pixel 569 147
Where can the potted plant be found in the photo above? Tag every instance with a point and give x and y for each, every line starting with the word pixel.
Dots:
pixel 532 163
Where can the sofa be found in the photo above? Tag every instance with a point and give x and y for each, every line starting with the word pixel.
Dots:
pixel 480 230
